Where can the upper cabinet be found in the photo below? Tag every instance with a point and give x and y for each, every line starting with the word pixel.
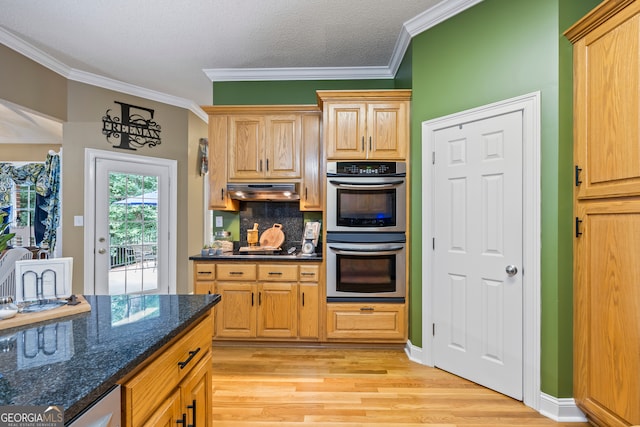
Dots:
pixel 263 143
pixel 365 124
pixel 264 146
pixel 606 103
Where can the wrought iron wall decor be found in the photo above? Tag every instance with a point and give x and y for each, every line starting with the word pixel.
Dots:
pixel 135 128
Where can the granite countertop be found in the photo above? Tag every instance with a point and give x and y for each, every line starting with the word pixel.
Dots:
pixel 73 361
pixel 232 256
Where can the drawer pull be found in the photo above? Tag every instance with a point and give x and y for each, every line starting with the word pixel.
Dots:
pixel 193 413
pixel 183 420
pixel 236 273
pixel 307 274
pixel 275 273
pixel 367 309
pixel 191 356
pixel 204 272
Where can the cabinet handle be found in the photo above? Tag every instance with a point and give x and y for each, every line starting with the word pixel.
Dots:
pixel 275 273
pixel 362 142
pixel 267 165
pixel 193 413
pixel 369 143
pixel 182 421
pixel 236 273
pixel 251 299
pixel 260 165
pixel 577 176
pixel 222 194
pixel 259 298
pixel 578 222
pixel 366 309
pixel 303 299
pixel 191 356
pixel 306 195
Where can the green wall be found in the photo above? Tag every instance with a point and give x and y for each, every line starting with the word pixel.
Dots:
pixel 497 50
pixel 286 92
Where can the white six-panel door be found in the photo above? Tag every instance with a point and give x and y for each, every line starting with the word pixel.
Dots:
pixel 477 278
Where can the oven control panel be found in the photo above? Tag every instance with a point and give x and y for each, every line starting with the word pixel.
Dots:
pixel 366 168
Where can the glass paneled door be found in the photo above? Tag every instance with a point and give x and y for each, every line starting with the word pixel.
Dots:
pixel 131 228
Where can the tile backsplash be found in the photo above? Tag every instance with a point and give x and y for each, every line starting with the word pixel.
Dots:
pixel 266 214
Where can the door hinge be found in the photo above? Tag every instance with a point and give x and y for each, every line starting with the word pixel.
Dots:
pixel 578 222
pixel 577 176
pixel 433 329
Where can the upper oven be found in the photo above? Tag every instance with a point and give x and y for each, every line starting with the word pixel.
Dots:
pixel 366 196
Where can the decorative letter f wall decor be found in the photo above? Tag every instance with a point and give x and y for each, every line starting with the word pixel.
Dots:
pixel 134 128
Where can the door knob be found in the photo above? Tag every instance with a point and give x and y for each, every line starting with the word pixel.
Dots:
pixel 511 270
pixel 101 251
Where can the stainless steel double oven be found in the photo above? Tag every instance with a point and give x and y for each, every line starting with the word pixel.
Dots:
pixel 366 225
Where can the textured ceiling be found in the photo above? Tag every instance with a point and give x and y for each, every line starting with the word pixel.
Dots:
pixel 176 48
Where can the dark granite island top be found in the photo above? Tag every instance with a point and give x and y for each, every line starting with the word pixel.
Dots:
pixel 73 361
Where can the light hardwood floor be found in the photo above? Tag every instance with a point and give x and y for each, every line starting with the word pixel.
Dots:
pixel 351 387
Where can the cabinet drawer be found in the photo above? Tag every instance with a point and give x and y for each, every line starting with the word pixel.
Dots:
pixel 309 273
pixel 147 389
pixel 236 271
pixel 278 273
pixel 205 271
pixel 373 322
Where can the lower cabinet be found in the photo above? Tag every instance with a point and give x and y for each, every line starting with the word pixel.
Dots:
pixel 370 322
pixel 175 386
pixel 278 301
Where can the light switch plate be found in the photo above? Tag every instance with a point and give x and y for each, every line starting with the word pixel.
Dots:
pixel 218 221
pixel 78 220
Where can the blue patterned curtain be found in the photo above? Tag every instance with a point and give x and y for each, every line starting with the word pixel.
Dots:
pixel 46 178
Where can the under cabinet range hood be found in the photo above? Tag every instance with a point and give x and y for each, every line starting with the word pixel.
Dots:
pixel 275 192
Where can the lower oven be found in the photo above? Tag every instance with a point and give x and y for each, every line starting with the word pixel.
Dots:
pixel 366 266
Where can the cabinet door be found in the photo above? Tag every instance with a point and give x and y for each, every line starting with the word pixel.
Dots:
pixel 345 130
pixel 387 130
pixel 607 312
pixel 370 322
pixel 167 414
pixel 282 146
pixel 277 310
pixel 236 312
pixel 196 396
pixel 312 173
pixel 606 108
pixel 218 132
pixel 309 310
pixel 246 147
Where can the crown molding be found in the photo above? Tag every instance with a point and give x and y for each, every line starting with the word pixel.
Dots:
pixel 428 19
pixel 46 60
pixel 422 22
pixel 297 73
pixel 129 89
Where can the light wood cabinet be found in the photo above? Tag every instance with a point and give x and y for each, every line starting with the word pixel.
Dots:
pixel 369 322
pixel 218 135
pixel 175 384
pixel 266 300
pixel 264 146
pixel 265 142
pixel 312 164
pixel 370 125
pixel 607 213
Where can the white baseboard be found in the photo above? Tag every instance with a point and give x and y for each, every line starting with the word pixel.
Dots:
pixel 561 409
pixel 414 353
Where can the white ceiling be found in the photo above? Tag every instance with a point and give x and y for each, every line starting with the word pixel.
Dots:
pixel 171 51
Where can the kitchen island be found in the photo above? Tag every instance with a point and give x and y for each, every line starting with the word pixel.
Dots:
pixel 73 361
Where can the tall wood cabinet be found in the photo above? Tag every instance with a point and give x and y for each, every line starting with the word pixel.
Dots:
pixel 607 213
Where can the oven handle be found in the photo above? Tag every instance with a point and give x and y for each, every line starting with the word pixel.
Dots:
pixel 367 252
pixel 366 185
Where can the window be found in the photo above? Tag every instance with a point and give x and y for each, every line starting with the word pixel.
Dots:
pixel 22 220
